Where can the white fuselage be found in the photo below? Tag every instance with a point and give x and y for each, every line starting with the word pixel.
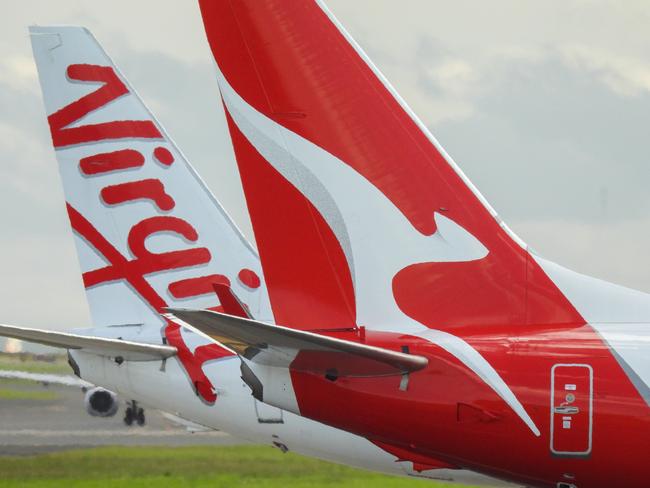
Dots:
pixel 166 387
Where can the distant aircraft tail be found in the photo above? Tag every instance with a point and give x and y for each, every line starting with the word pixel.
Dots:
pixel 360 216
pixel 146 227
pixel 149 234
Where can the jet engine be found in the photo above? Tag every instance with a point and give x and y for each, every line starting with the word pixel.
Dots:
pixel 101 402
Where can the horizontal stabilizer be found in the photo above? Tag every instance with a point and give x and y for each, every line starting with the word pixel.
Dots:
pixel 279 346
pixel 127 350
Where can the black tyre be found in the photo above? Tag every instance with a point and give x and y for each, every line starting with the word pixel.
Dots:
pixel 140 418
pixel 128 416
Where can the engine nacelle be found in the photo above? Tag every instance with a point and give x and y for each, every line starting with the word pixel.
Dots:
pixel 101 402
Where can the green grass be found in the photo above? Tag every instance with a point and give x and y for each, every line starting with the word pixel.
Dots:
pixel 37 395
pixel 5 382
pixel 29 364
pixel 214 467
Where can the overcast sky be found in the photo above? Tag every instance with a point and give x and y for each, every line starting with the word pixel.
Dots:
pixel 544 104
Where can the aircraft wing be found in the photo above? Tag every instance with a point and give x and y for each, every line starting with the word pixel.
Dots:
pixel 127 350
pixel 274 345
pixel 57 379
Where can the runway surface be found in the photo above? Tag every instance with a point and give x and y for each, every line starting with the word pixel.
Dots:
pixel 36 425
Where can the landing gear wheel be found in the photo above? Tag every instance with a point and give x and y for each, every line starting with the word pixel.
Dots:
pixel 128 416
pixel 133 413
pixel 139 418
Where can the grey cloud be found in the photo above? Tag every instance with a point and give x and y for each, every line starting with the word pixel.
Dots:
pixel 558 139
pixel 616 251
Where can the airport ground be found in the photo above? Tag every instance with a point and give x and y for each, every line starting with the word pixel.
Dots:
pixel 48 440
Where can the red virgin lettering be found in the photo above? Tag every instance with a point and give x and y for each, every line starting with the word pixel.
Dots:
pixel 193 361
pixel 249 278
pixel 111 161
pixel 147 262
pixel 192 287
pixel 173 259
pixel 131 272
pixel 118 264
pixel 163 156
pixel 112 88
pixel 150 189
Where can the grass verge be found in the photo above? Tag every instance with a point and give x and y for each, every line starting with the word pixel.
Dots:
pixel 30 364
pixel 214 467
pixel 37 395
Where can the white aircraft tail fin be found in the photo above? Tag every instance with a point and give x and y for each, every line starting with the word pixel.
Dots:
pixel 149 234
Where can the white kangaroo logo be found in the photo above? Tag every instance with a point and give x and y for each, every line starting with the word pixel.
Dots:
pixel 377 239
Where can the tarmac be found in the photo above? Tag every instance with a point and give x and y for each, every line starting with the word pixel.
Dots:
pixel 33 426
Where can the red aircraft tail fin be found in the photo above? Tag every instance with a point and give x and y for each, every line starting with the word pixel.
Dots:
pixel 360 216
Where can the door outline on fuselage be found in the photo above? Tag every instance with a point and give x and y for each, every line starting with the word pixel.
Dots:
pixel 591 411
pixel 267 414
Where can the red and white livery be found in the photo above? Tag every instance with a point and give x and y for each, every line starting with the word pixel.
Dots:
pixel 150 235
pixel 408 312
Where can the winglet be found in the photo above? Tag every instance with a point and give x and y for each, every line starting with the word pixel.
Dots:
pixel 230 302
